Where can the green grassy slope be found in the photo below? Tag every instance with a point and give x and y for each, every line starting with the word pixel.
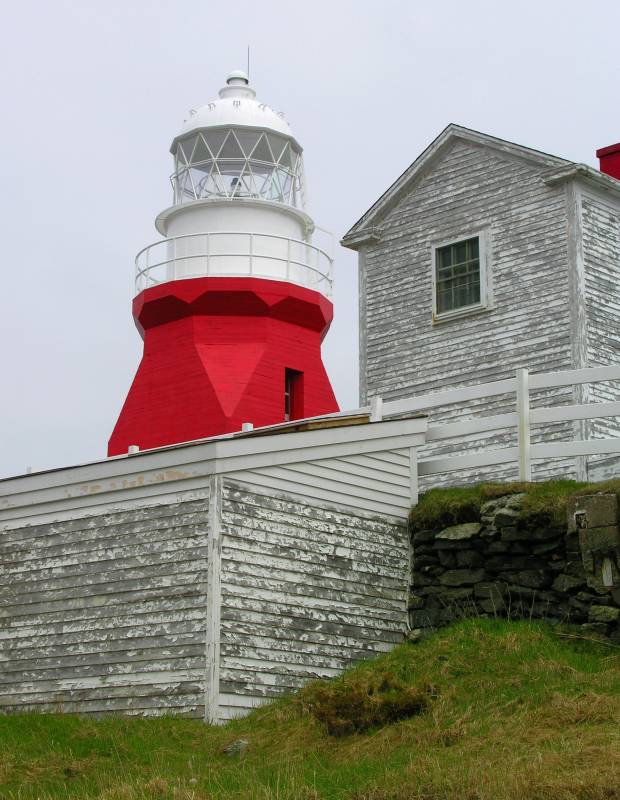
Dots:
pixel 514 711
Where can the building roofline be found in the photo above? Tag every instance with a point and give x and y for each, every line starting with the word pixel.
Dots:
pixel 151 476
pixel 584 173
pixel 365 228
pixel 242 442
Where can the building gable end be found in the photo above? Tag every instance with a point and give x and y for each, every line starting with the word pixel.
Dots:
pixel 367 228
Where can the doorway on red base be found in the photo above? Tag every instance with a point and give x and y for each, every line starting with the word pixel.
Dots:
pixel 293 394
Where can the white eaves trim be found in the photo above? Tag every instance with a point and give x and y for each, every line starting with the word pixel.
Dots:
pixel 159 476
pixel 588 175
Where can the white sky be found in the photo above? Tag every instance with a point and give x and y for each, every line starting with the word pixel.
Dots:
pixel 93 92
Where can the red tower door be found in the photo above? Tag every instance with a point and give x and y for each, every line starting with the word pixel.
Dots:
pixel 293 394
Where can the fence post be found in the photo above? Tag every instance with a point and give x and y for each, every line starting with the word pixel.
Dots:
pixel 523 429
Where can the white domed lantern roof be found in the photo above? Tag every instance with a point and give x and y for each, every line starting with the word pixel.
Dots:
pixel 236 106
pixel 236 147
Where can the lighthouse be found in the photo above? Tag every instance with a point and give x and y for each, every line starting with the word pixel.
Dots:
pixel 234 301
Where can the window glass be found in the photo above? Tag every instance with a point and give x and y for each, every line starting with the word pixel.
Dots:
pixel 457 275
pixel 262 151
pixel 231 148
pixel 187 147
pixel 247 140
pixel 215 140
pixel 201 152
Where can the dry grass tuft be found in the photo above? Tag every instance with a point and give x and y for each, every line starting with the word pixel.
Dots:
pixel 587 708
pixel 363 701
pixel 122 791
pixel 157 787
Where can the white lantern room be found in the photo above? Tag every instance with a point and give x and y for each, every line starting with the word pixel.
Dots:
pixel 239 199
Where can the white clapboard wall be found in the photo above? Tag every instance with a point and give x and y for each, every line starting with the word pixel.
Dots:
pixel 204 578
pixel 553 260
pixel 306 590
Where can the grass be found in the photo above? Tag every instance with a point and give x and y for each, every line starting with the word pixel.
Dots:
pixel 512 712
pixel 544 503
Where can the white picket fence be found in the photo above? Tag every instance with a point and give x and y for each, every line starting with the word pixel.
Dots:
pixel 521 419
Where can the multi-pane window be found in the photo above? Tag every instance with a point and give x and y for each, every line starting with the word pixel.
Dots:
pixel 457 275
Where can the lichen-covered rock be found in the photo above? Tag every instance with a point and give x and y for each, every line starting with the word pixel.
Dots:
pixel 425 561
pixel 603 614
pixel 498 547
pixel 235 748
pixel 424 618
pixel 511 533
pixel 461 577
pixel 534 578
pixel 457 595
pixel 420 537
pixel 447 558
pixel 544 534
pixel 515 501
pixel 488 590
pixel 567 583
pixel 512 563
pixel 507 517
pixel 547 547
pixel 595 627
pixel 416 635
pixel 457 533
pixel 468 558
pixel 488 509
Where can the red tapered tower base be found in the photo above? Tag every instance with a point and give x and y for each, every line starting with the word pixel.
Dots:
pixel 219 352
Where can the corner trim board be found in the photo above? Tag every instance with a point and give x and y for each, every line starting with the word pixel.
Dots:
pixel 363 357
pixel 577 306
pixel 214 603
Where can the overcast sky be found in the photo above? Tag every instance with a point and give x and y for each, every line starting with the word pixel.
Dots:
pixel 93 93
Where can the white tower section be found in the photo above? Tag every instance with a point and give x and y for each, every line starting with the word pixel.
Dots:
pixel 239 200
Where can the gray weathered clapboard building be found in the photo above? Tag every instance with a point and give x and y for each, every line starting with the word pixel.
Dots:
pixel 204 578
pixel 485 256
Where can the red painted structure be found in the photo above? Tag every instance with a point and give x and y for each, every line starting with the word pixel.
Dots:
pixel 219 352
pixel 609 159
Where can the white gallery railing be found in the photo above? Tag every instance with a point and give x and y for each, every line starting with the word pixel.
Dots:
pixel 521 420
pixel 235 254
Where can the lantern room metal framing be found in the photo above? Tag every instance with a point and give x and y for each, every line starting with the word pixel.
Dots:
pixel 238 163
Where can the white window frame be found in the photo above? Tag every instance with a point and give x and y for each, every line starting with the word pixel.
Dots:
pixel 484 249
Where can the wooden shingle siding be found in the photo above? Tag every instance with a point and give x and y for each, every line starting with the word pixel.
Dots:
pixel 470 188
pixel 601 253
pixel 307 590
pixel 106 613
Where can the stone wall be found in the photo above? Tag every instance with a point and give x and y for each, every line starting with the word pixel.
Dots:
pixel 509 564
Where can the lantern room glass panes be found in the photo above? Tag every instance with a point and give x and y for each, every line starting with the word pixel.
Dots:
pixel 229 163
pixel 457 275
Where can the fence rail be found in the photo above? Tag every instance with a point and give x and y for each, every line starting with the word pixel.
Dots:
pixel 520 420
